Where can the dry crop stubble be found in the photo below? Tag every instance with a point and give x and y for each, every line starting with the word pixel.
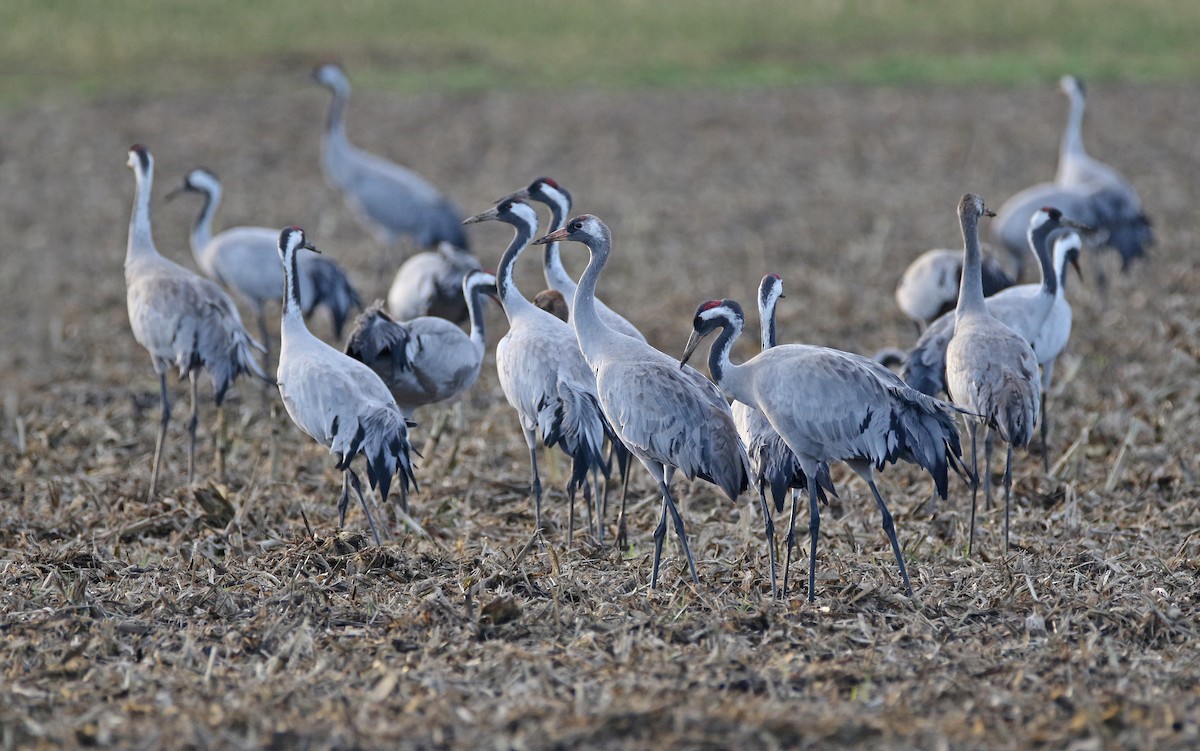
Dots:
pixel 216 619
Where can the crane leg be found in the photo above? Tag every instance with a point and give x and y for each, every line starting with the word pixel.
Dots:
pixel 357 485
pixel 973 428
pixel 679 530
pixel 191 428
pixel 1047 378
pixel 622 530
pixel 1007 492
pixel 889 527
pixel 162 434
pixel 344 500
pixel 535 485
pixel 988 441
pixel 791 540
pixel 608 464
pixel 571 515
pixel 1045 439
pixel 814 531
pixel 599 507
pixel 769 531
pixel 221 443
pixel 660 533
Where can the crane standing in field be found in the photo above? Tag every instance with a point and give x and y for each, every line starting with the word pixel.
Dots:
pixel 830 406
pixel 428 359
pixel 246 260
pixel 1026 309
pixel 391 200
pixel 1083 188
pixel 544 376
pixel 991 370
pixel 1056 330
pixel 547 191
pixel 339 402
pixel 180 318
pixel 669 417
pixel 772 463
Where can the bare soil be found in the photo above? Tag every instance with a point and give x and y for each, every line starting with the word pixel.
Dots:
pixel 236 614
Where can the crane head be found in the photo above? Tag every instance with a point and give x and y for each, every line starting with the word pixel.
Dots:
pixel 332 76
pixel 710 316
pixel 139 158
pixel 291 240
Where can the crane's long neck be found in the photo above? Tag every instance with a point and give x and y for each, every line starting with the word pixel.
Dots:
pixel 335 120
pixel 202 231
pixel 552 266
pixel 335 147
pixel 1060 268
pixel 1071 145
pixel 970 289
pixel 141 241
pixel 510 297
pixel 766 317
pixel 475 313
pixel 589 329
pixel 724 373
pixel 1039 240
pixel 293 314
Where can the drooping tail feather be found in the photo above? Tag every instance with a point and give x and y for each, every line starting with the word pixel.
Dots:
pixel 332 288
pixel 577 427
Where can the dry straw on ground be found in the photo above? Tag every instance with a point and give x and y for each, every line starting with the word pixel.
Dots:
pixel 236 615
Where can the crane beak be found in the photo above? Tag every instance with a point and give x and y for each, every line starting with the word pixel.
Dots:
pixel 309 246
pixel 491 213
pixel 1083 228
pixel 174 192
pixel 557 235
pixel 988 212
pixel 692 343
pixel 520 195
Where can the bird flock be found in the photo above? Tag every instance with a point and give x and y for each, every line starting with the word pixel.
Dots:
pixel 584 380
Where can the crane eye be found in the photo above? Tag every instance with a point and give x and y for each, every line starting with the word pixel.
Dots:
pixel 577 226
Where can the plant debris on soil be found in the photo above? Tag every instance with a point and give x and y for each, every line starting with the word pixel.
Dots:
pixel 235 614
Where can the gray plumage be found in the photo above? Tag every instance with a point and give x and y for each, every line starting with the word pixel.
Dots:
pixel 545 190
pixel 179 317
pixel 1055 332
pixel 1022 308
pixel 391 200
pixel 772 464
pixel 430 283
pixel 425 360
pixel 991 370
pixel 1084 188
pixel 246 261
pixel 338 401
pixel 667 416
pixel 929 286
pixel 542 373
pixel 831 406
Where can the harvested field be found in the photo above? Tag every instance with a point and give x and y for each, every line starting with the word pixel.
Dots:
pixel 237 615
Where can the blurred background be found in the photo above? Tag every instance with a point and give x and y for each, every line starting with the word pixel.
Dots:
pixel 78 47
